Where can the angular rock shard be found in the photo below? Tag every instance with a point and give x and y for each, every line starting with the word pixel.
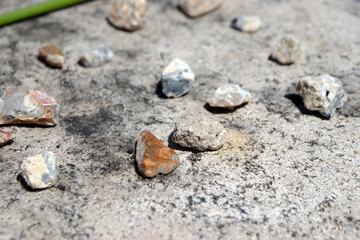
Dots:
pixel 196 8
pixel 153 157
pixel 229 96
pixel 52 56
pixel 96 57
pixel 128 14
pixel 287 51
pixel 247 23
pixel 21 105
pixel 6 137
pixel 177 78
pixel 40 171
pixel 324 94
pixel 200 134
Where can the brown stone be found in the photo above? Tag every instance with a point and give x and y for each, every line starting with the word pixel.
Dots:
pixel 52 56
pixel 6 137
pixel 196 8
pixel 153 157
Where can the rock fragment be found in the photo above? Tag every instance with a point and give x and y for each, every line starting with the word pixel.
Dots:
pixel 196 8
pixel 128 14
pixel 247 23
pixel 323 93
pixel 287 51
pixel 96 57
pixel 6 137
pixel 200 134
pixel 21 105
pixel 229 96
pixel 40 171
pixel 153 157
pixel 177 78
pixel 52 56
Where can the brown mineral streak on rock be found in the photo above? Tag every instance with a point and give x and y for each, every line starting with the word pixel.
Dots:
pixel 6 137
pixel 52 55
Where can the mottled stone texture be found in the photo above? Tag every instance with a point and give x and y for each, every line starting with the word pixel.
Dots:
pixel 287 51
pixel 96 57
pixel 6 137
pixel 52 55
pixel 196 8
pixel 229 96
pixel 128 14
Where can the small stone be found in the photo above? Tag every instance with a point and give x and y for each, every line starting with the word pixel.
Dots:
pixel 40 171
pixel 229 96
pixel 200 134
pixel 196 8
pixel 247 23
pixel 153 157
pixel 177 78
pixel 96 57
pixel 52 56
pixel 287 51
pixel 21 105
pixel 324 94
pixel 6 137
pixel 128 14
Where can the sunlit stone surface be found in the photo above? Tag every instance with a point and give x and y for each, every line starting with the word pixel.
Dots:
pixel 229 96
pixel 287 51
pixel 196 8
pixel 6 137
pixel 96 57
pixel 247 23
pixel 128 14
pixel 52 56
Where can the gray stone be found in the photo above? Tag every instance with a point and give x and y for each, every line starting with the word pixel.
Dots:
pixel 177 78
pixel 96 57
pixel 324 94
pixel 247 23
pixel 287 51
pixel 196 8
pixel 40 171
pixel 229 96
pixel 200 134
pixel 6 137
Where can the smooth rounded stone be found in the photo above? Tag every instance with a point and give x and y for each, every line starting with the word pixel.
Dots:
pixel 200 134
pixel 247 23
pixel 128 14
pixel 287 51
pixel 177 79
pixel 52 55
pixel 324 94
pixel 96 57
pixel 6 137
pixel 40 171
pixel 229 96
pixel 22 105
pixel 196 8
pixel 153 157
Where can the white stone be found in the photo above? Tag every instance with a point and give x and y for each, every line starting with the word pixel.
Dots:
pixel 229 96
pixel 247 23
pixel 196 8
pixel 96 57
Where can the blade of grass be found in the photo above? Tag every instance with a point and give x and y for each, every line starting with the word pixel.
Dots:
pixel 34 10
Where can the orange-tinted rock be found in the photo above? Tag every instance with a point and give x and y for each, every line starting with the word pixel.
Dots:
pixel 153 157
pixel 6 137
pixel 52 56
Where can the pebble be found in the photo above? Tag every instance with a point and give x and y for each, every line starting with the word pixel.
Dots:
pixel 52 56
pixel 196 8
pixel 6 137
pixel 128 14
pixel 22 105
pixel 323 93
pixel 177 79
pixel 153 157
pixel 40 171
pixel 200 134
pixel 287 51
pixel 229 96
pixel 96 57
pixel 247 23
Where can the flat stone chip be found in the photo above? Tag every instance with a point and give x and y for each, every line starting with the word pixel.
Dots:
pixel 287 51
pixel 324 94
pixel 40 171
pixel 196 8
pixel 229 96
pixel 96 57
pixel 6 137
pixel 128 15
pixel 21 105
pixel 52 55
pixel 247 23
pixel 153 157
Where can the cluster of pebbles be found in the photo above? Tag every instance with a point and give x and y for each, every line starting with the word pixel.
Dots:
pixel 322 93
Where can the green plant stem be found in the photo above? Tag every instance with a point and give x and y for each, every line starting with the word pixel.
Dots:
pixel 34 10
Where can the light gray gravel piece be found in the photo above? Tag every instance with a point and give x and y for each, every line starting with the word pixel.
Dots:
pixel 96 57
pixel 229 96
pixel 287 51
pixel 247 23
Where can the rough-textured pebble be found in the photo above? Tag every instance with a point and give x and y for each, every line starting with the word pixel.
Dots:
pixel 128 14
pixel 196 8
pixel 52 56
pixel 323 93
pixel 177 79
pixel 21 105
pixel 200 134
pixel 96 57
pixel 229 96
pixel 287 51
pixel 153 157
pixel 247 23
pixel 40 171
pixel 6 137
